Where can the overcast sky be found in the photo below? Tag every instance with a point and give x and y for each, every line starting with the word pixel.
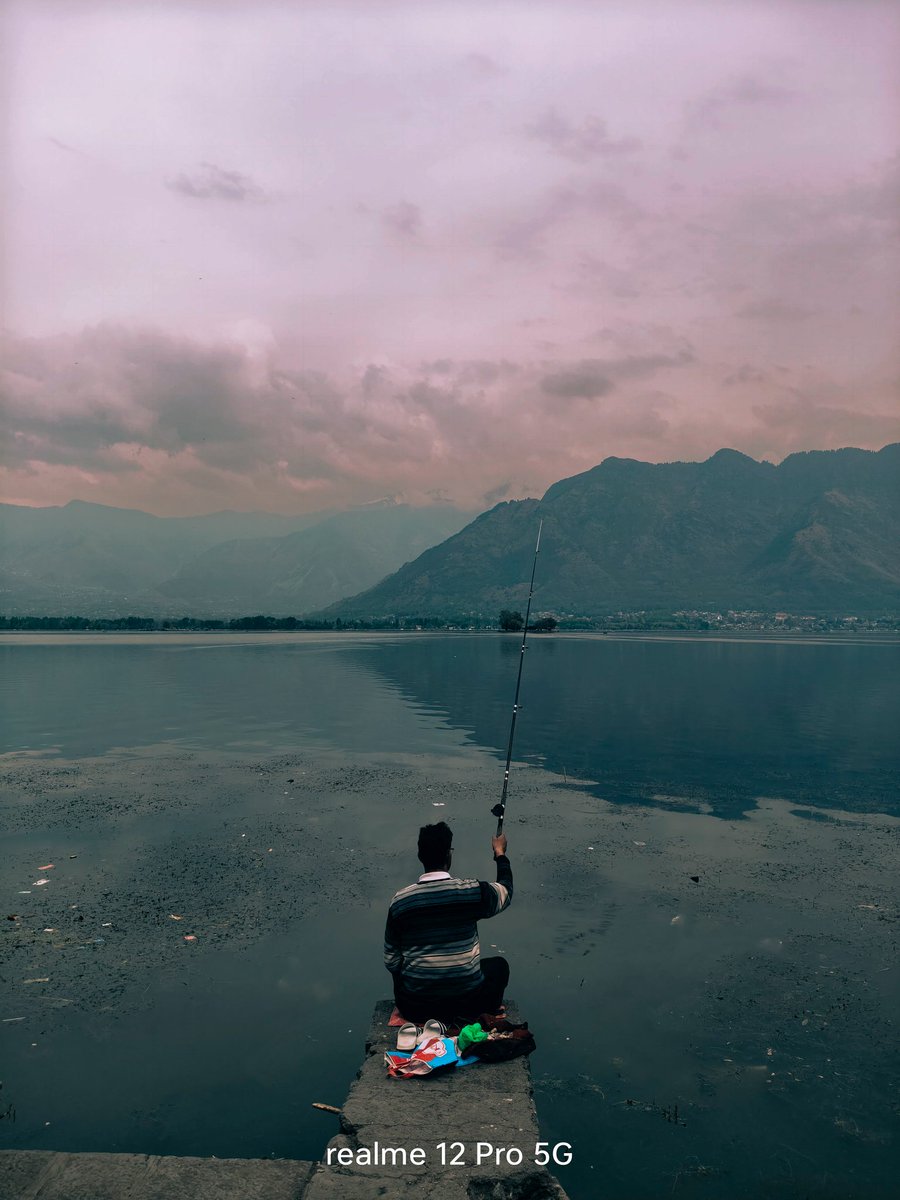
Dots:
pixel 303 255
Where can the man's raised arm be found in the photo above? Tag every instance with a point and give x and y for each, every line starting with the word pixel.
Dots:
pixel 497 896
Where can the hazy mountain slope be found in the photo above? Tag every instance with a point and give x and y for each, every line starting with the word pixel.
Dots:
pixel 96 560
pixel 310 569
pixel 99 558
pixel 819 532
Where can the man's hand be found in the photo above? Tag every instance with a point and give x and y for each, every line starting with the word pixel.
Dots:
pixel 499 844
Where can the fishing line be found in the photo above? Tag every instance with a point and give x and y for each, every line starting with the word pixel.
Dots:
pixel 499 809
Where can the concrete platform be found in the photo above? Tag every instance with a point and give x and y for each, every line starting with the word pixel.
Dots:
pixel 45 1175
pixel 451 1118
pixel 409 1139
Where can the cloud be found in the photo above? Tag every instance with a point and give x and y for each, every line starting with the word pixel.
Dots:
pixel 482 66
pixel 636 339
pixel 404 219
pixel 215 183
pixel 638 366
pixel 374 378
pixel 75 400
pixel 525 233
pixel 827 249
pixel 801 423
pixel 471 371
pixel 586 380
pixel 593 274
pixel 594 377
pixel 745 374
pixel 741 93
pixel 577 143
pixel 773 309
pixel 127 415
pixel 496 494
pixel 462 213
pixel 425 398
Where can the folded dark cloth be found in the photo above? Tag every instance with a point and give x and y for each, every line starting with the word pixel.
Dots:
pixel 505 1039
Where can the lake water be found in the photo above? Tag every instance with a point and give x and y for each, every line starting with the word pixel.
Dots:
pixel 703 833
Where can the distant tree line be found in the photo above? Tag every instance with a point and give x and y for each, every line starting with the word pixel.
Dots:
pixel 508 621
pixel 259 623
pixel 154 624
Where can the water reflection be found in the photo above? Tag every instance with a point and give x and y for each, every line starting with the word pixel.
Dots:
pixel 83 698
pixel 705 726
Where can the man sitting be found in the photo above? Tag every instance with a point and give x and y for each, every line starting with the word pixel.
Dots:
pixel 431 938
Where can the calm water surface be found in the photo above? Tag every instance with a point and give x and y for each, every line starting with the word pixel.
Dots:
pixel 680 725
pixel 720 721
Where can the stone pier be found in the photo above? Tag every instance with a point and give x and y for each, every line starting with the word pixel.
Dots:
pixel 464 1134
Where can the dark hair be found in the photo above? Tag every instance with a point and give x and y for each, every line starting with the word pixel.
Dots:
pixel 434 845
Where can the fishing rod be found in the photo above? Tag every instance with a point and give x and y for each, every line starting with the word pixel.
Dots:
pixel 499 809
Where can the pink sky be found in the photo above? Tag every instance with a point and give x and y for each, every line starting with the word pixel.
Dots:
pixel 305 255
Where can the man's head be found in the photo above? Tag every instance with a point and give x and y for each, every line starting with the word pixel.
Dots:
pixel 434 846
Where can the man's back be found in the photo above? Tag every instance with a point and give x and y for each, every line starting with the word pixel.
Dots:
pixel 431 942
pixel 432 932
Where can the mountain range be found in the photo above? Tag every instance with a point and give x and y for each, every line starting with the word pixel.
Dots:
pixel 95 560
pixel 819 533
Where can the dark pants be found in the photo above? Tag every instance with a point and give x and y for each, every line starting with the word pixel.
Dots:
pixel 486 998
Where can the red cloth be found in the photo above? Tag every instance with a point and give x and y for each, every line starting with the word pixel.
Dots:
pixel 395 1020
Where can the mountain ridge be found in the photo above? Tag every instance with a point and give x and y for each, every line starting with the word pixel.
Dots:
pixel 819 531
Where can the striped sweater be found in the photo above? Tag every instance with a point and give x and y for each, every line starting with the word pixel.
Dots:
pixel 431 937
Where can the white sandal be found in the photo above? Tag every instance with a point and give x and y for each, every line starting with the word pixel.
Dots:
pixel 408 1037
